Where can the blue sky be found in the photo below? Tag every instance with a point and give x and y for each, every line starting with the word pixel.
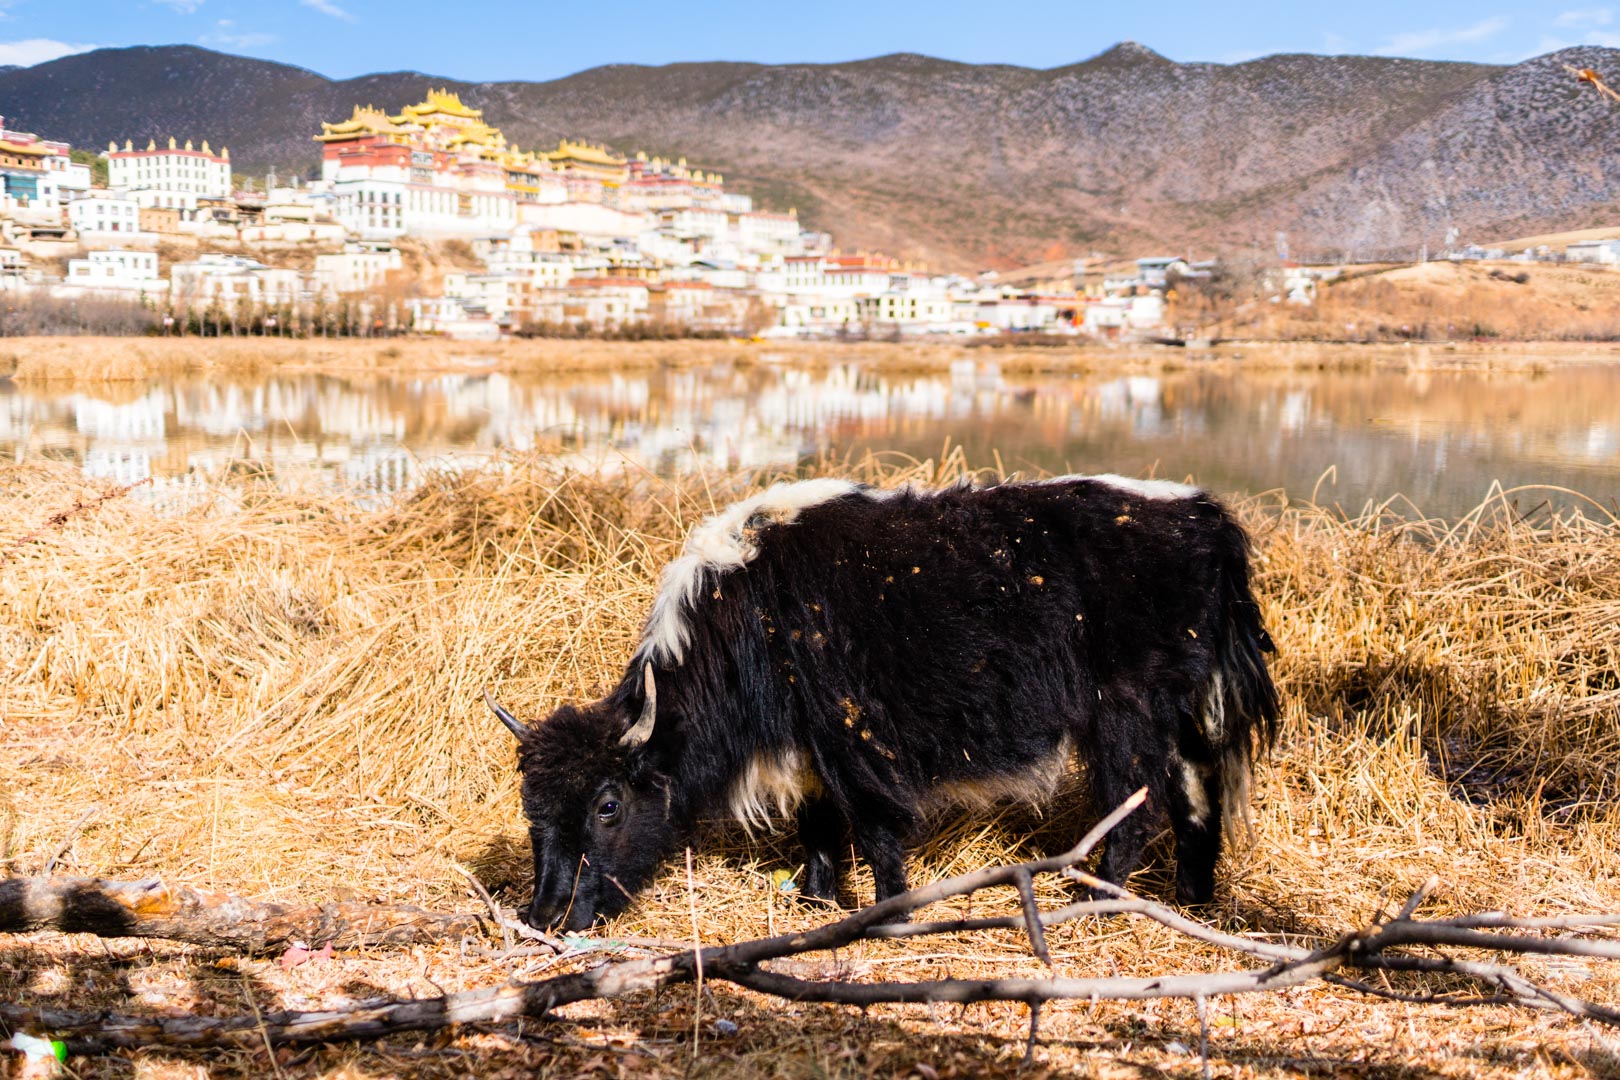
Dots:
pixel 542 39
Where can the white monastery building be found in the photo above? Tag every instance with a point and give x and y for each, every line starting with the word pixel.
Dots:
pixel 98 216
pixel 180 170
pixel 117 272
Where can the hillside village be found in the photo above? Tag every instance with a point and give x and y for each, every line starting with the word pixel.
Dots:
pixel 428 220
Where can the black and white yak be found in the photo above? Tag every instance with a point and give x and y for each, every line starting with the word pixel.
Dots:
pixel 860 657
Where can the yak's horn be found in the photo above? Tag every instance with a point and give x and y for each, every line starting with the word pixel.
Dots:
pixel 642 731
pixel 513 724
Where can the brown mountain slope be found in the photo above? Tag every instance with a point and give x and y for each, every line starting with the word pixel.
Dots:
pixel 970 165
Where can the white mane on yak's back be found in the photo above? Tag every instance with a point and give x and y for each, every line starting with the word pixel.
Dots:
pixel 719 544
pixel 1163 490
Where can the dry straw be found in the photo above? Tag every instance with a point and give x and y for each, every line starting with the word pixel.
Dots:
pixel 281 697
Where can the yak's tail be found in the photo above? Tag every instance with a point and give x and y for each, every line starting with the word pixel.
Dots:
pixel 1239 709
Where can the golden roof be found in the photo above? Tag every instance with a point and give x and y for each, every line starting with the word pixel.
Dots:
pixel 443 121
pixel 441 102
pixel 582 152
pixel 366 120
pixel 14 148
pixel 480 137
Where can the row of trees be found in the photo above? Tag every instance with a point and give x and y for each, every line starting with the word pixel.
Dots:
pixel 24 314
pixel 38 313
pixel 646 330
pixel 347 316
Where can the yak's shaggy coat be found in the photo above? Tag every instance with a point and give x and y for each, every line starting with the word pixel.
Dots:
pixel 860 656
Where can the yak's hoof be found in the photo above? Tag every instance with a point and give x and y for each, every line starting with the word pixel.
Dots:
pixel 1196 899
pixel 817 885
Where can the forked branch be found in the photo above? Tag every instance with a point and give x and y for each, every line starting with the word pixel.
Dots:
pixel 1378 947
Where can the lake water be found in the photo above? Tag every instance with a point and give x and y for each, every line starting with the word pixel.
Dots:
pixel 1440 438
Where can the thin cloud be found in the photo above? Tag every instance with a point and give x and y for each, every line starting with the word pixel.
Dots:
pixel 1423 41
pixel 31 51
pixel 181 7
pixel 1581 27
pixel 326 7
pixel 225 35
pixel 1582 18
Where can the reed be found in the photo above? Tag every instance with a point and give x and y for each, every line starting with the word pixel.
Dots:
pixel 82 360
pixel 279 695
pixel 78 362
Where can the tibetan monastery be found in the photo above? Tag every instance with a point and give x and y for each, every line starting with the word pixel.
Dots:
pixel 437 167
pixel 441 131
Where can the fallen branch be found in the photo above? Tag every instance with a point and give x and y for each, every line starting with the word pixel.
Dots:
pixel 1377 947
pixel 154 910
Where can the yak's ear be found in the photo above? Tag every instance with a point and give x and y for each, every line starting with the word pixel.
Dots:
pixel 513 724
pixel 641 731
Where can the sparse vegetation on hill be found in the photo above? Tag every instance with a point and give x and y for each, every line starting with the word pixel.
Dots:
pixel 1444 301
pixel 970 166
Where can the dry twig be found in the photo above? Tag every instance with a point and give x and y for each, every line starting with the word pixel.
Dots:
pixel 60 518
pixel 1378 947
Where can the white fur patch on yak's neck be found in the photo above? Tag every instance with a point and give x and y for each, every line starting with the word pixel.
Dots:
pixel 720 544
pixel 770 785
pixel 1162 490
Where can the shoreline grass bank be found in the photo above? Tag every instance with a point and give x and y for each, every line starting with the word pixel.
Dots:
pixel 90 360
pixel 281 697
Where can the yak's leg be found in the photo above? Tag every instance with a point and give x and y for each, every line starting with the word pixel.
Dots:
pixel 821 830
pixel 1194 796
pixel 1123 764
pixel 879 844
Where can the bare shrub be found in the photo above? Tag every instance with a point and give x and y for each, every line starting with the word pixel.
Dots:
pixel 38 314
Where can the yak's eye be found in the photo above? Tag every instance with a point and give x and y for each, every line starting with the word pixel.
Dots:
pixel 608 811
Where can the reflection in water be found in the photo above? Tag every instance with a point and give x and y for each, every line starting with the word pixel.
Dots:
pixel 1439 438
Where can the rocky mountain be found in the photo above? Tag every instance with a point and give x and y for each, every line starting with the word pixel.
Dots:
pixel 978 165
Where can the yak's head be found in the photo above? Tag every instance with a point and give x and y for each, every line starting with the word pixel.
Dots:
pixel 599 810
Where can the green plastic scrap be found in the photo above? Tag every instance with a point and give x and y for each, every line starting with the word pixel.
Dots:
pixel 37 1049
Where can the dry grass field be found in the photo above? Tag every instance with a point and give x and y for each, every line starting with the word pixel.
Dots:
pixel 1447 301
pixel 81 360
pixel 279 696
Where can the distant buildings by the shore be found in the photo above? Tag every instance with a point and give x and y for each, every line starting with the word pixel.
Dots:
pixel 430 220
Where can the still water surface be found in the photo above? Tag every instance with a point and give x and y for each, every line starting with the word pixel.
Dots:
pixel 1439 438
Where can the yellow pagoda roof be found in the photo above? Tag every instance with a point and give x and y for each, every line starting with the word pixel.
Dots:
pixel 365 121
pixel 573 151
pixel 440 102
pixel 14 148
pixel 444 122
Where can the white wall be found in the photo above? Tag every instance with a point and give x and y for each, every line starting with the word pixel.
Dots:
pixel 104 215
pixel 175 170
